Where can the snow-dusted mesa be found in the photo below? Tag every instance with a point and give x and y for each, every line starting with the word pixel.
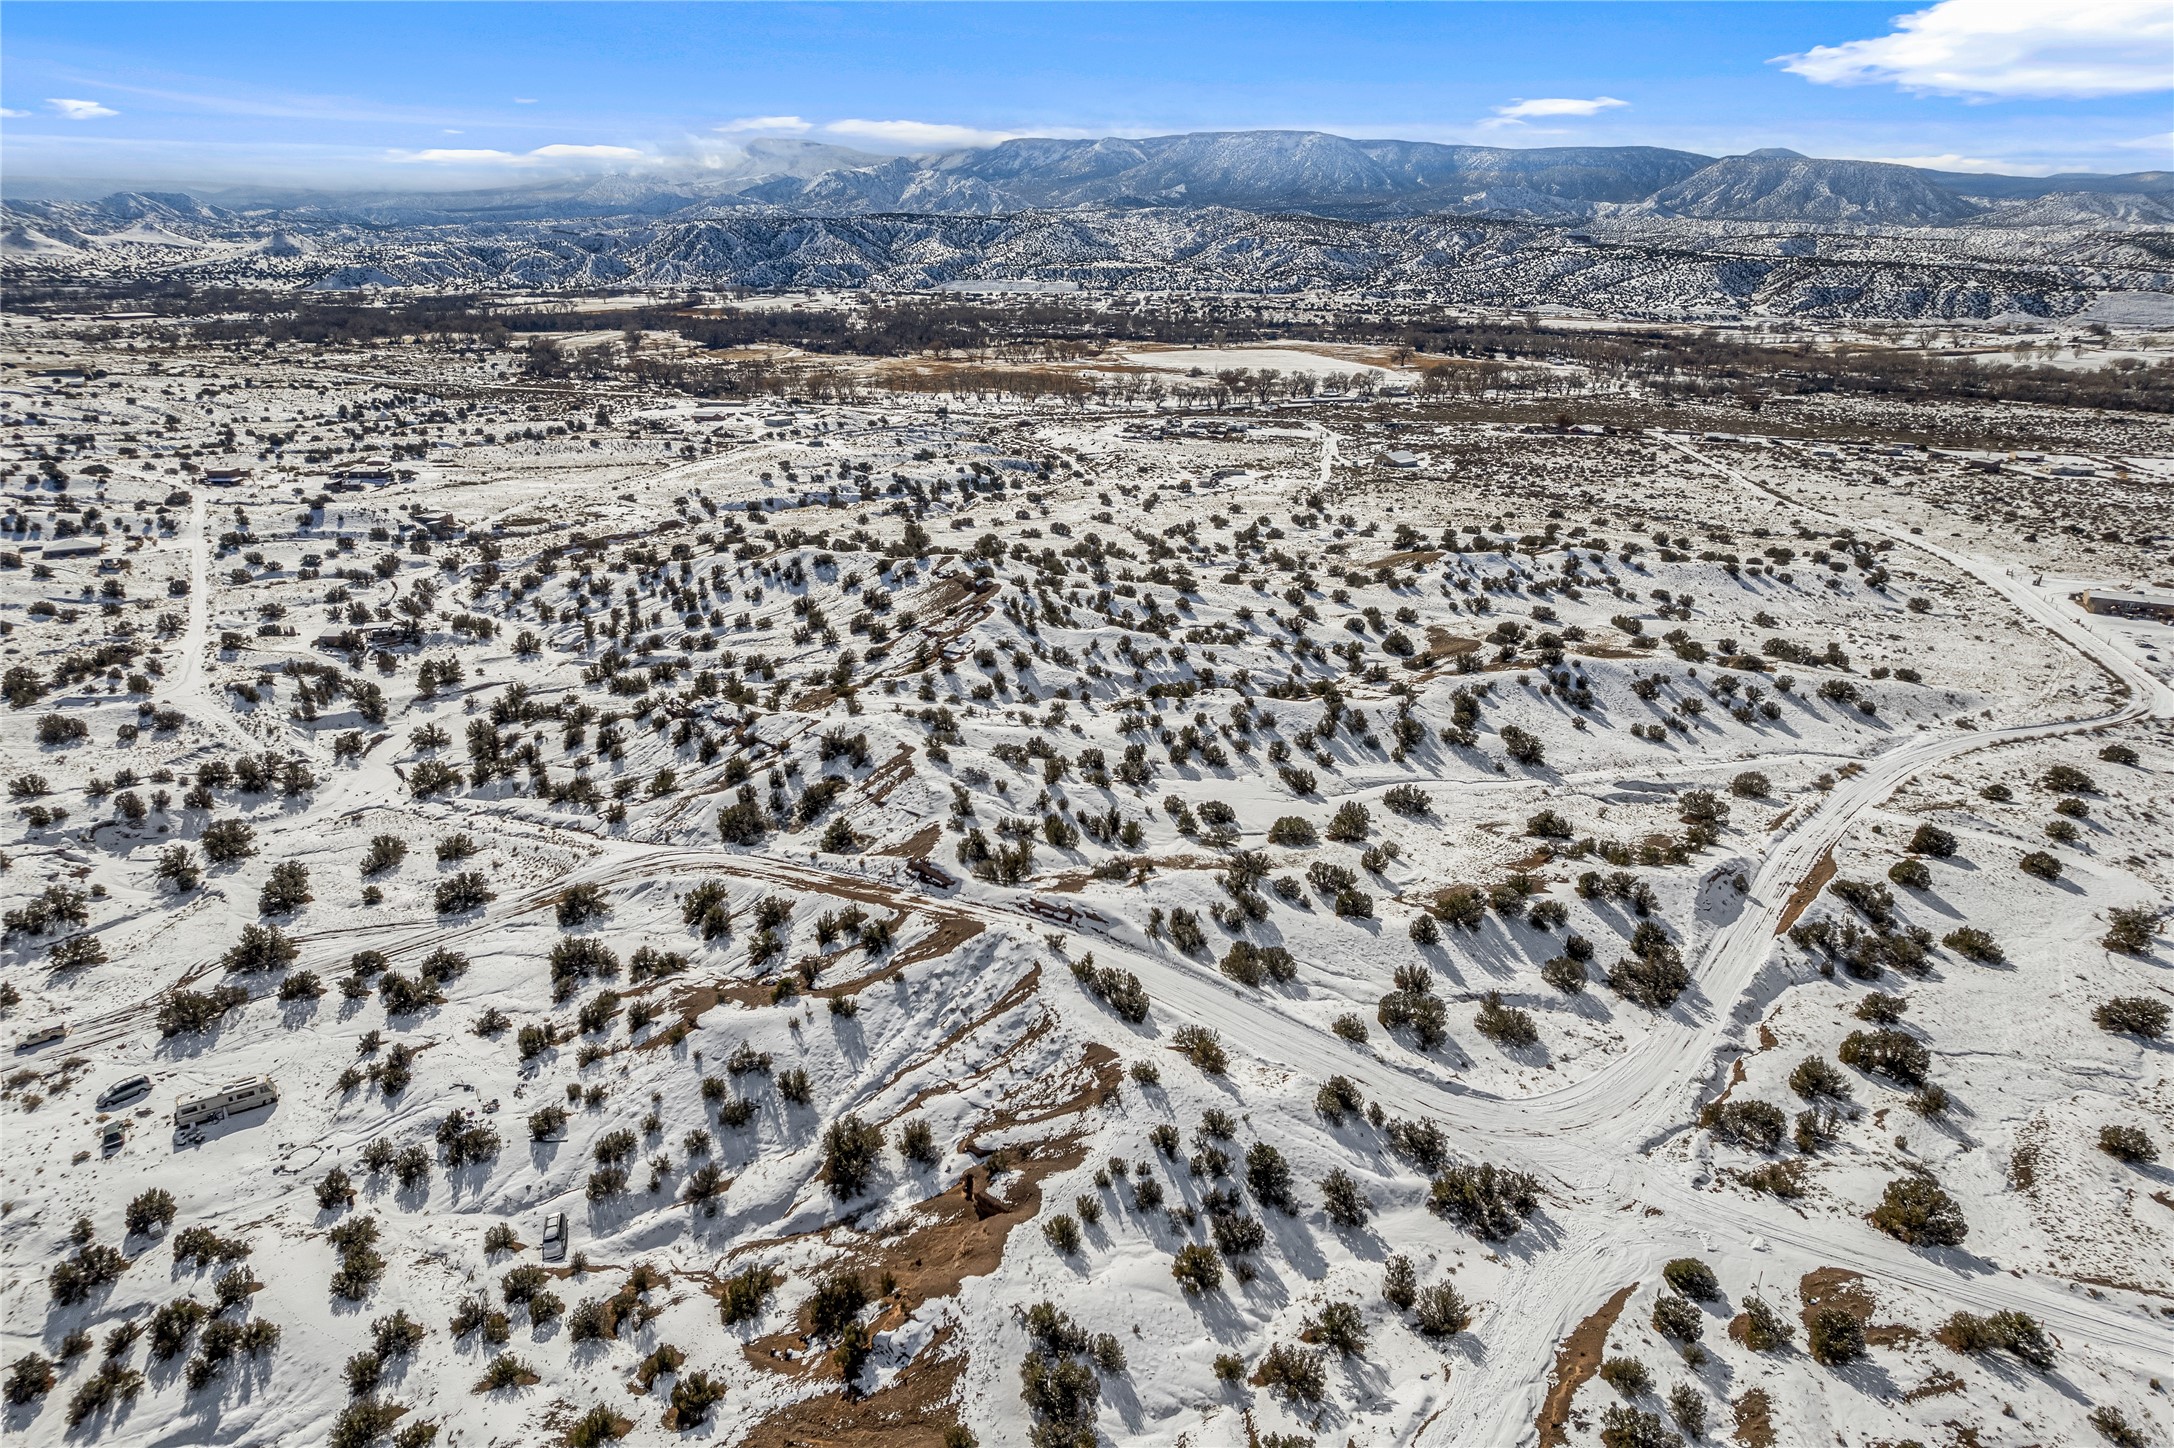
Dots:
pixel 1057 866
pixel 1625 231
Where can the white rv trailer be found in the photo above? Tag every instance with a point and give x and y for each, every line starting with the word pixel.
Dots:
pixel 246 1094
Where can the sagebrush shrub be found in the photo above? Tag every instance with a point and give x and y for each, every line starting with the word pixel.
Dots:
pixel 1627 1376
pixel 1674 1317
pixel 1932 840
pixel 1693 1278
pixel 1765 1329
pixel 2132 1015
pixel 2130 929
pixel 1836 1337
pixel 1887 1052
pixel 1750 1123
pixel 1915 1210
pixel 2006 1330
pixel 2127 1143
pixel 1488 1201
pixel 1441 1311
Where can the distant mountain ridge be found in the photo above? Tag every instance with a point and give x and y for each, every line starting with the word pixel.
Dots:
pixel 1635 231
pixel 1784 186
pixel 1258 171
pixel 1263 171
pixel 1630 265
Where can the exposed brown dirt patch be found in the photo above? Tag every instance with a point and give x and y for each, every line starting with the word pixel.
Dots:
pixel 1071 882
pixel 747 995
pixel 1942 1381
pixel 1754 1419
pixel 958 1234
pixel 1806 892
pixel 947 592
pixel 2117 1285
pixel 1576 1361
pixel 953 605
pixel 913 1410
pixel 1767 1042
pixel 1836 1287
pixel 1093 1082
pixel 1736 1079
pixel 951 932
pixel 1042 1026
pixel 1021 991
pixel 917 846
pixel 1849 1292
pixel 691 1002
pixel 962 1233
pixel 888 776
pixel 1442 644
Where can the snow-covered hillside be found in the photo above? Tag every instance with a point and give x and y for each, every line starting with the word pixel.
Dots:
pixel 1618 229
pixel 1007 926
pixel 1639 262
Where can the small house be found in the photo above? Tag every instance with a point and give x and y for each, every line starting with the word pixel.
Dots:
pixel 2150 607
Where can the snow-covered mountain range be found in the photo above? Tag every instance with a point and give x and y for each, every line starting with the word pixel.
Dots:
pixel 1628 228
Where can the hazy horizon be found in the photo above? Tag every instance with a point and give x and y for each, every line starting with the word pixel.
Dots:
pixel 456 97
pixel 59 188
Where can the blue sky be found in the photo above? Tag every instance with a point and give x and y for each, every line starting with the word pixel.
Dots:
pixel 422 95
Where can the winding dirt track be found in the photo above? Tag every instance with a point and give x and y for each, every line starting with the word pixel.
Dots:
pixel 1594 1134
pixel 1590 1138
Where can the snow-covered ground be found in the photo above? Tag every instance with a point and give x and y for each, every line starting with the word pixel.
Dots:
pixel 843 848
pixel 1307 361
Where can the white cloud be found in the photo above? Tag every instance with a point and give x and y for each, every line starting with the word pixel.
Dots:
pixel 1949 161
pixel 12 114
pixel 1557 106
pixel 2163 141
pixel 283 105
pixel 1999 48
pixel 457 156
pixel 919 135
pixel 524 100
pixel 765 123
pixel 586 153
pixel 76 110
pixel 541 156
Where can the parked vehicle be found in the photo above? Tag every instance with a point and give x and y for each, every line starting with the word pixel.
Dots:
pixel 115 1134
pixel 554 1237
pixel 123 1093
pixel 246 1094
pixel 42 1036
